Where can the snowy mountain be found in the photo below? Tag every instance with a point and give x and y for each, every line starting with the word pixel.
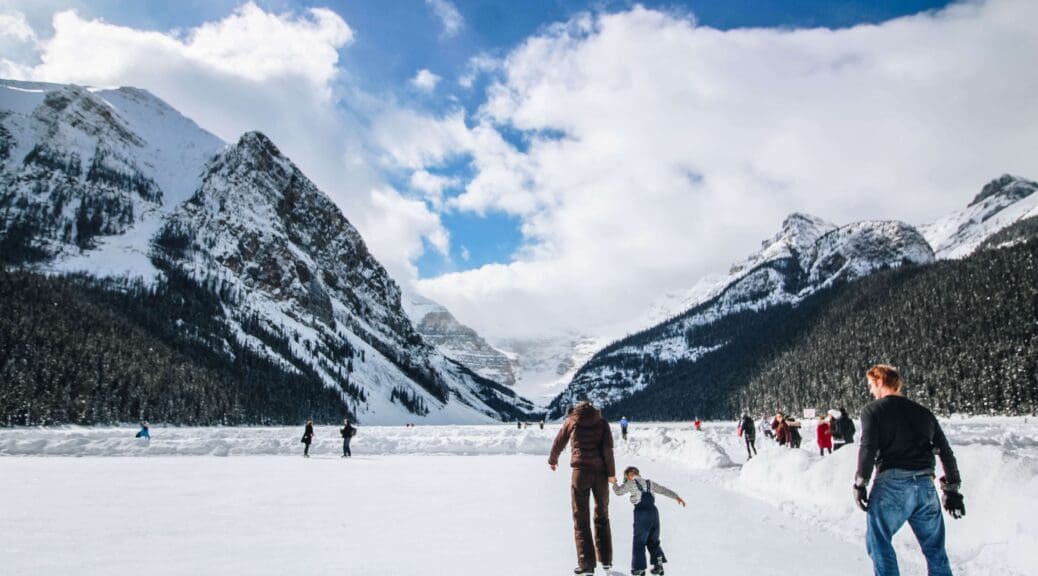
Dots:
pixel 456 341
pixel 115 182
pixel 86 172
pixel 806 256
pixel 1001 203
pixel 544 366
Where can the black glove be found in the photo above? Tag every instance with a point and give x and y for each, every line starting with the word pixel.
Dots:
pixel 861 497
pixel 952 499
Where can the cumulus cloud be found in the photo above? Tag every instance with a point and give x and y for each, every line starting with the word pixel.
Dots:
pixel 432 186
pixel 18 45
pixel 660 151
pixel 425 80
pixel 449 16
pixel 407 225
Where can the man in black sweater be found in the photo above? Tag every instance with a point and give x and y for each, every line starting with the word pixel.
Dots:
pixel 900 438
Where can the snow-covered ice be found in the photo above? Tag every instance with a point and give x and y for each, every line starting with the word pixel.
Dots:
pixel 468 500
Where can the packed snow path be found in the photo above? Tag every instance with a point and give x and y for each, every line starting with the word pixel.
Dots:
pixel 409 502
pixel 369 515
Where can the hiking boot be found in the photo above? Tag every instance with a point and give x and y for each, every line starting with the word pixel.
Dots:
pixel 657 569
pixel 584 571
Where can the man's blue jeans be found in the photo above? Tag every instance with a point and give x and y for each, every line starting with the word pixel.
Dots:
pixel 900 496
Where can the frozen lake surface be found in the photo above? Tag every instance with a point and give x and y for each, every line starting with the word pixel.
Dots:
pixel 467 500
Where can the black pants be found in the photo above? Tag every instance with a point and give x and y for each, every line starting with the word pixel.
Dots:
pixel 583 484
pixel 346 447
pixel 751 444
pixel 306 449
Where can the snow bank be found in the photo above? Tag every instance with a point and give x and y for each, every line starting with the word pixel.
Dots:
pixel 999 534
pixel 244 441
pixel 687 448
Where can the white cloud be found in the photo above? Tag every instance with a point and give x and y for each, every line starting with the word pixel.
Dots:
pixel 250 44
pixel 683 146
pixel 449 16
pixel 18 44
pixel 425 80
pixel 432 186
pixel 402 226
pixel 412 140
pixel 476 66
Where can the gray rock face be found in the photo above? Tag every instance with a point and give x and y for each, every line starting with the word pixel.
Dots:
pixel 461 343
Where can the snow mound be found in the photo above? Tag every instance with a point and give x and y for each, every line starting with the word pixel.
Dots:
pixel 686 448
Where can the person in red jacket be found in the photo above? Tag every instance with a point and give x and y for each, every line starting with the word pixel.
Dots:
pixel 825 437
pixel 591 444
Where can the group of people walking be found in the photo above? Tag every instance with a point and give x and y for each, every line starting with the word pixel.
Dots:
pixel 835 430
pixel 348 431
pixel 899 442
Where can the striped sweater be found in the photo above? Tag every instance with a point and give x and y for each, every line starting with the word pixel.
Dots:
pixel 635 486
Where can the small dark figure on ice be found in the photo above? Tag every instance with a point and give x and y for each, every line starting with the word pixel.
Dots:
pixel 308 437
pixel 748 431
pixel 143 432
pixel 348 431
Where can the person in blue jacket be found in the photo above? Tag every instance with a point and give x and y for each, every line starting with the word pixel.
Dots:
pixel 143 432
pixel 623 426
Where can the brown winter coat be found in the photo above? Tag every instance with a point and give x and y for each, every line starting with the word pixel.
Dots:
pixel 590 439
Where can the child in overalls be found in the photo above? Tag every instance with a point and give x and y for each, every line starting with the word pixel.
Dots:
pixel 646 519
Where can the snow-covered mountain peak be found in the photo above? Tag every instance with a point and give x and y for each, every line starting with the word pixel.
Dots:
pixel 75 108
pixel 1007 186
pixel 861 248
pixel 1000 203
pixel 457 341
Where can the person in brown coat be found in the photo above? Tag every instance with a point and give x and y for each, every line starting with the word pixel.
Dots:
pixel 591 444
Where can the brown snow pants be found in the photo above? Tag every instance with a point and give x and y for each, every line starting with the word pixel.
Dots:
pixel 583 485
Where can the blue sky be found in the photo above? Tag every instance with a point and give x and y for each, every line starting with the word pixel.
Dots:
pixel 551 165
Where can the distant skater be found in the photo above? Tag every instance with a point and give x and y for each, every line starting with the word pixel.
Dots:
pixel 308 437
pixel 623 427
pixel 348 431
pixel 646 519
pixel 697 424
pixel 748 431
pixel 143 432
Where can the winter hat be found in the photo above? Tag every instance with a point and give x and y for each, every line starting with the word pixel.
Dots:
pixel 834 412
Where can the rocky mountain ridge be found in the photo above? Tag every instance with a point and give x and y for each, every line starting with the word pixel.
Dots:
pixel 99 181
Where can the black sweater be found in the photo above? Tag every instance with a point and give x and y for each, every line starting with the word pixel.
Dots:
pixel 899 433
